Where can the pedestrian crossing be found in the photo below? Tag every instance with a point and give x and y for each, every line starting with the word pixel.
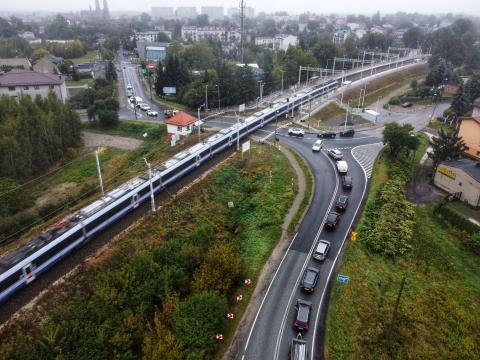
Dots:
pixel 366 155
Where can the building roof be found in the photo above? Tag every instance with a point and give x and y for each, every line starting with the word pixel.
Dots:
pixel 471 167
pixel 15 62
pixel 18 77
pixel 46 66
pixel 181 119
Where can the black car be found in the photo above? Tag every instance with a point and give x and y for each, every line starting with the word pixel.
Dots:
pixel 327 134
pixel 407 104
pixel 332 220
pixel 342 203
pixel 309 280
pixel 302 317
pixel 347 182
pixel 347 133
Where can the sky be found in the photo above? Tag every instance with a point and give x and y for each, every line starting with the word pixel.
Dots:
pixel 293 7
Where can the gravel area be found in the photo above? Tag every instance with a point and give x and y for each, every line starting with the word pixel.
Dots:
pixel 93 140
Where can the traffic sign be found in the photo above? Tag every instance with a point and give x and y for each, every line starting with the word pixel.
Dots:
pixel 354 235
pixel 342 278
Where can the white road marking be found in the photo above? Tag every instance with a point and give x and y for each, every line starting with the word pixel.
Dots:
pixel 365 155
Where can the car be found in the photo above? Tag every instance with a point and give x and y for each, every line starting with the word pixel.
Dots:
pixel 145 107
pixel 332 220
pixel 347 133
pixel 342 203
pixel 317 146
pixel 327 134
pixel 129 87
pixel 296 132
pixel 152 113
pixel 335 154
pixel 309 279
pixel 302 317
pixel 321 250
pixel 342 167
pixel 407 104
pixel 347 182
pixel 129 93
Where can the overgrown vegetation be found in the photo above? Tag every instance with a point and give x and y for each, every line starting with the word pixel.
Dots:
pixel 165 287
pixel 439 312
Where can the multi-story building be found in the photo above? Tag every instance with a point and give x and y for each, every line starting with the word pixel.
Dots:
pixel 213 12
pixel 152 51
pixel 277 42
pixel 186 12
pixel 249 12
pixel 339 36
pixel 16 83
pixel 231 12
pixel 164 12
pixel 150 36
pixel 196 34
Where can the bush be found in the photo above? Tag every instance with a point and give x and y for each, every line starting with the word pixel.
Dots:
pixel 445 214
pixel 473 243
pixel 14 226
pixel 395 101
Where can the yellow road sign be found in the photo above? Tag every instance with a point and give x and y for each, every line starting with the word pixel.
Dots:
pixel 354 236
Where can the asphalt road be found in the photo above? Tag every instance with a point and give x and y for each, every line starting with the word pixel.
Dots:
pixel 271 334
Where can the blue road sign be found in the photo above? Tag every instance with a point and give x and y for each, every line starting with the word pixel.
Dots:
pixel 342 278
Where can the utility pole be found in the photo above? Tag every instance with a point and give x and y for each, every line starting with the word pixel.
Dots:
pixel 346 116
pixel 308 68
pixel 242 29
pixel 198 112
pixel 206 97
pixel 99 172
pixel 282 71
pixel 152 197
pixel 218 88
pixel 238 130
pixel 299 75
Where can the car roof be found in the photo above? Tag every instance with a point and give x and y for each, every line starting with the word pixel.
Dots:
pixel 342 198
pixel 335 151
pixel 318 142
pixel 322 246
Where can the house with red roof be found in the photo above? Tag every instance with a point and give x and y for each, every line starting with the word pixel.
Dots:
pixel 469 131
pixel 16 83
pixel 180 125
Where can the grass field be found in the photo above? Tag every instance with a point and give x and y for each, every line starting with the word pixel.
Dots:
pixel 133 129
pixel 327 113
pixel 439 312
pixel 89 56
pixel 81 82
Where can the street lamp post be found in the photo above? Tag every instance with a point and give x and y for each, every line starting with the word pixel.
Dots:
pixel 282 71
pixel 152 197
pixel 276 121
pixel 218 88
pixel 206 97
pixel 346 116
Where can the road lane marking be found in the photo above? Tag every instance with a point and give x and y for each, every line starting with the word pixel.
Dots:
pixel 335 261
pixel 309 255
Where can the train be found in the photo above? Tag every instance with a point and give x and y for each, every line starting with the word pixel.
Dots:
pixel 23 265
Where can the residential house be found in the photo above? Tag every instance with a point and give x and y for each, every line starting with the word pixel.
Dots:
pixel 150 36
pixel 460 178
pixel 46 66
pixel 469 131
pixel 196 34
pixel 16 83
pixel 277 42
pixel 180 125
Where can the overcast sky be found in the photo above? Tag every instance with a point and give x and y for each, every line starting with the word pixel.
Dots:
pixel 293 7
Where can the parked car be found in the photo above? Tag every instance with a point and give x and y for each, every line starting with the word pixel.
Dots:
pixel 342 167
pixel 129 93
pixel 152 113
pixel 145 107
pixel 317 146
pixel 335 154
pixel 302 317
pixel 321 250
pixel 347 133
pixel 309 279
pixel 347 182
pixel 129 87
pixel 296 132
pixel 342 203
pixel 332 220
pixel 327 134
pixel 407 104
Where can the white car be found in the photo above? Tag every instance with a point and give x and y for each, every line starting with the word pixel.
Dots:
pixel 317 146
pixel 342 167
pixel 296 132
pixel 129 87
pixel 144 107
pixel 152 113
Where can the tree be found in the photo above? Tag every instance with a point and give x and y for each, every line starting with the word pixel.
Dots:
pixel 162 37
pixel 13 197
pixel 6 30
pixel 447 146
pixel 112 43
pixel 399 138
pixel 413 37
pixel 472 88
pixel 460 103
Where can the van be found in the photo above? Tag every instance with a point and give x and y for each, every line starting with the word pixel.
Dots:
pixel 342 167
pixel 321 250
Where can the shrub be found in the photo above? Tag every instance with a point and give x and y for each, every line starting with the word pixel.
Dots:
pixel 473 243
pixel 395 101
pixel 13 226
pixel 444 213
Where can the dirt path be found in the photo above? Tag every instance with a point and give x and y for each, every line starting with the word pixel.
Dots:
pixel 92 140
pixel 268 270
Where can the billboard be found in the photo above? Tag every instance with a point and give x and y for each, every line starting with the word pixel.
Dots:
pixel 169 90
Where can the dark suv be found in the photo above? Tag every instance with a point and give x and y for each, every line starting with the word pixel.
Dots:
pixel 342 203
pixel 326 134
pixel 347 133
pixel 309 280
pixel 332 220
pixel 302 317
pixel 347 182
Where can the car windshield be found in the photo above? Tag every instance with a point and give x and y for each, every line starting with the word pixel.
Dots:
pixel 332 217
pixel 318 143
pixel 347 179
pixel 302 313
pixel 342 199
pixel 309 278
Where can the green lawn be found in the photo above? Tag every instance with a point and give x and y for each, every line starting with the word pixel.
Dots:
pixel 328 112
pixel 439 312
pixel 81 82
pixel 89 56
pixel 134 129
